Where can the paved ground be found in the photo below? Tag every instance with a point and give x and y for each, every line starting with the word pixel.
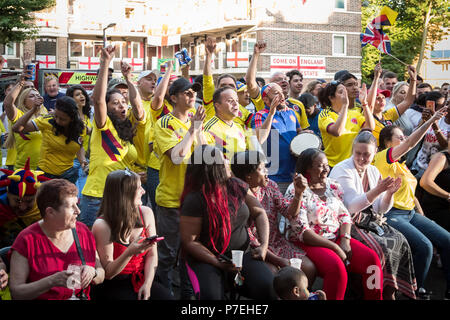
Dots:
pixel 435 283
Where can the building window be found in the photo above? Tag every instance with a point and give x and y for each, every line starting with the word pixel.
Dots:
pixel 340 4
pixel 76 48
pixel 436 54
pixel 339 45
pixel 248 45
pixel 129 13
pixel 8 49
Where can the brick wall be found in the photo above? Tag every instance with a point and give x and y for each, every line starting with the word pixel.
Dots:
pixel 290 41
pixel 61 53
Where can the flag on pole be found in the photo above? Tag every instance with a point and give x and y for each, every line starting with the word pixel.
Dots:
pixel 387 17
pixel 377 38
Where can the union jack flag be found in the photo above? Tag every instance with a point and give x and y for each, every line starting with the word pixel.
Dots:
pixel 377 38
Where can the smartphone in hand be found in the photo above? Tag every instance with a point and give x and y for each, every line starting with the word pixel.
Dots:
pixel 224 258
pixel 431 105
pixel 154 238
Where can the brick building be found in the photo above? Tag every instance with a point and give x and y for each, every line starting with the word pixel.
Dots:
pixel 322 32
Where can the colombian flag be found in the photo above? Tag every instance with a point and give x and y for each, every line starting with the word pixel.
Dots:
pixel 386 18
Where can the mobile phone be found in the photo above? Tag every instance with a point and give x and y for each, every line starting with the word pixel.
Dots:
pixel 154 238
pixel 431 105
pixel 225 258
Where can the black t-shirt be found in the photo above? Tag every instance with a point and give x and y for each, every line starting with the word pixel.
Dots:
pixel 194 205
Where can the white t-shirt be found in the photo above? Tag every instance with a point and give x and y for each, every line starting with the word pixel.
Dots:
pixel 414 116
pixel 430 145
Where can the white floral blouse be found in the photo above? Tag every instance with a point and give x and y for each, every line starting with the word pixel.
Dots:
pixel 323 217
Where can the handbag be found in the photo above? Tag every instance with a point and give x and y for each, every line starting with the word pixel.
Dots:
pixel 81 295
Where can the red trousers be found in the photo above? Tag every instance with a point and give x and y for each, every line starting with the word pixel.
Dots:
pixel 332 269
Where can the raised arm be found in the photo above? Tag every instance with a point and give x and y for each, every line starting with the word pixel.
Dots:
pixel 99 94
pixel 372 95
pixel 8 103
pixel 337 128
pixel 411 94
pixel 133 94
pixel 24 123
pixel 179 152
pixel 262 132
pixel 416 136
pixel 250 77
pixel 368 113
pixel 160 91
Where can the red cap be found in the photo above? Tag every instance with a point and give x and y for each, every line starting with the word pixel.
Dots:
pixel 385 93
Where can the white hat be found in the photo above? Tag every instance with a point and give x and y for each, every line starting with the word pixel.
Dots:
pixel 147 72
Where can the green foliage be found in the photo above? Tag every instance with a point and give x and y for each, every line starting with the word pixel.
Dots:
pixel 406 34
pixel 16 20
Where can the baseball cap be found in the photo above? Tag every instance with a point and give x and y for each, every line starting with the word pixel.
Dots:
pixel 307 99
pixel 147 72
pixel 339 74
pixel 114 82
pixel 385 93
pixel 181 85
pixel 240 86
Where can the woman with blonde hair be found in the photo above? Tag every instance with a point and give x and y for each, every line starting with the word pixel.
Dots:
pixel 26 144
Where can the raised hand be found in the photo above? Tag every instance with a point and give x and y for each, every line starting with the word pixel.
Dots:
pixel 210 45
pixel 439 114
pixel 197 119
pixel 363 94
pixel 125 68
pixel 108 53
pixel 377 70
pixel 412 73
pixel 300 183
pixel 260 47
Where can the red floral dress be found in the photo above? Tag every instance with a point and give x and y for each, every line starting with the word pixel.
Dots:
pixel 273 202
pixel 323 217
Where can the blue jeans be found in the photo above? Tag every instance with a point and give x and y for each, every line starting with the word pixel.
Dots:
pixel 152 183
pixel 82 177
pixel 70 175
pixel 89 207
pixel 422 233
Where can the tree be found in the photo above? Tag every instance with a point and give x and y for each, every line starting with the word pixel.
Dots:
pixel 17 21
pixel 407 34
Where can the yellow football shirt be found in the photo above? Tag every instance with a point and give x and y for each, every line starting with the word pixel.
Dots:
pixel 230 139
pixel 404 197
pixel 339 148
pixel 169 131
pixel 27 145
pixel 300 112
pixel 56 155
pixel 109 153
pixel 244 118
pixel 389 116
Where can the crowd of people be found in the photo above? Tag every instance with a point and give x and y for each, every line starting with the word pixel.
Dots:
pixel 141 187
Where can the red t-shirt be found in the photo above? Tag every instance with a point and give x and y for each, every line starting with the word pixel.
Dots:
pixel 45 259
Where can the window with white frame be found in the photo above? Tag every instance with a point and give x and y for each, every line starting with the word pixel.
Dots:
pixel 8 50
pixel 340 5
pixel 339 45
pixel 89 48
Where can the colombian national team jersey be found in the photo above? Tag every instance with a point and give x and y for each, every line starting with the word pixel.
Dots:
pixel 339 148
pixel 230 139
pixel 300 112
pixel 88 125
pixel 56 155
pixel 404 197
pixel 244 117
pixel 286 125
pixel 389 116
pixel 109 153
pixel 155 115
pixel 169 131
pixel 27 145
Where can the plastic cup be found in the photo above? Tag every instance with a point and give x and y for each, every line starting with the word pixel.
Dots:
pixel 237 256
pixel 296 263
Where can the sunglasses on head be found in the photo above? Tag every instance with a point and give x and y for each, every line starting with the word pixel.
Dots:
pixel 335 82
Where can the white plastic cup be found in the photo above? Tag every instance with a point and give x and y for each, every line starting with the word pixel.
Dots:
pixel 296 263
pixel 237 256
